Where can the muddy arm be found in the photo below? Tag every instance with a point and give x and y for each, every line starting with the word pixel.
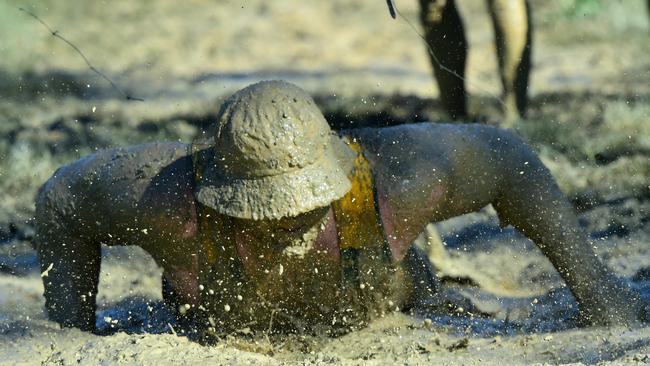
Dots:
pixel 531 201
pixel 70 270
pixel 134 196
pixel 434 172
pixel 527 197
pixel 70 262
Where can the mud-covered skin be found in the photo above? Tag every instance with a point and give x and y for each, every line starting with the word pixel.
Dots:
pixel 444 33
pixel 424 172
pixel 434 172
pixel 141 195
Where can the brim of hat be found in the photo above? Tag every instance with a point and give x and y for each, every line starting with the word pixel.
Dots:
pixel 274 197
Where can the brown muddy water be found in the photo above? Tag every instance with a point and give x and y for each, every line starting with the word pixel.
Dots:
pixel 589 120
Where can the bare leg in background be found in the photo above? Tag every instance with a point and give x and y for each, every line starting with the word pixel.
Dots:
pixel 444 33
pixel 513 33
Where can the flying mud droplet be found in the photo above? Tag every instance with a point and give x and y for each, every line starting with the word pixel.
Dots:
pixel 47 271
pixel 184 308
pixel 172 329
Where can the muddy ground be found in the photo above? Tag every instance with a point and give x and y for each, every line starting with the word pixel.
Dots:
pixel 589 119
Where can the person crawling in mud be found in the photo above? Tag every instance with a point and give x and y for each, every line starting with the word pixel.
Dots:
pixel 275 219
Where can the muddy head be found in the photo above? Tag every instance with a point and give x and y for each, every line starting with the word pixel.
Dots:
pixel 276 167
pixel 274 156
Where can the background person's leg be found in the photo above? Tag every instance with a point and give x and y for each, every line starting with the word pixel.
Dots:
pixel 444 33
pixel 513 34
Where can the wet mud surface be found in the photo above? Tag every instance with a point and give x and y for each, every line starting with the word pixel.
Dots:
pixel 588 120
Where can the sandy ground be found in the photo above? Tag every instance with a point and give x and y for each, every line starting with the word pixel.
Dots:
pixel 590 106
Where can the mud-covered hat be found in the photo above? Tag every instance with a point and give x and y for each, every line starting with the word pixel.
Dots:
pixel 274 155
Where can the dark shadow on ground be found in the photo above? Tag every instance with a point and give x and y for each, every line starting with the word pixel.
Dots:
pixel 136 314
